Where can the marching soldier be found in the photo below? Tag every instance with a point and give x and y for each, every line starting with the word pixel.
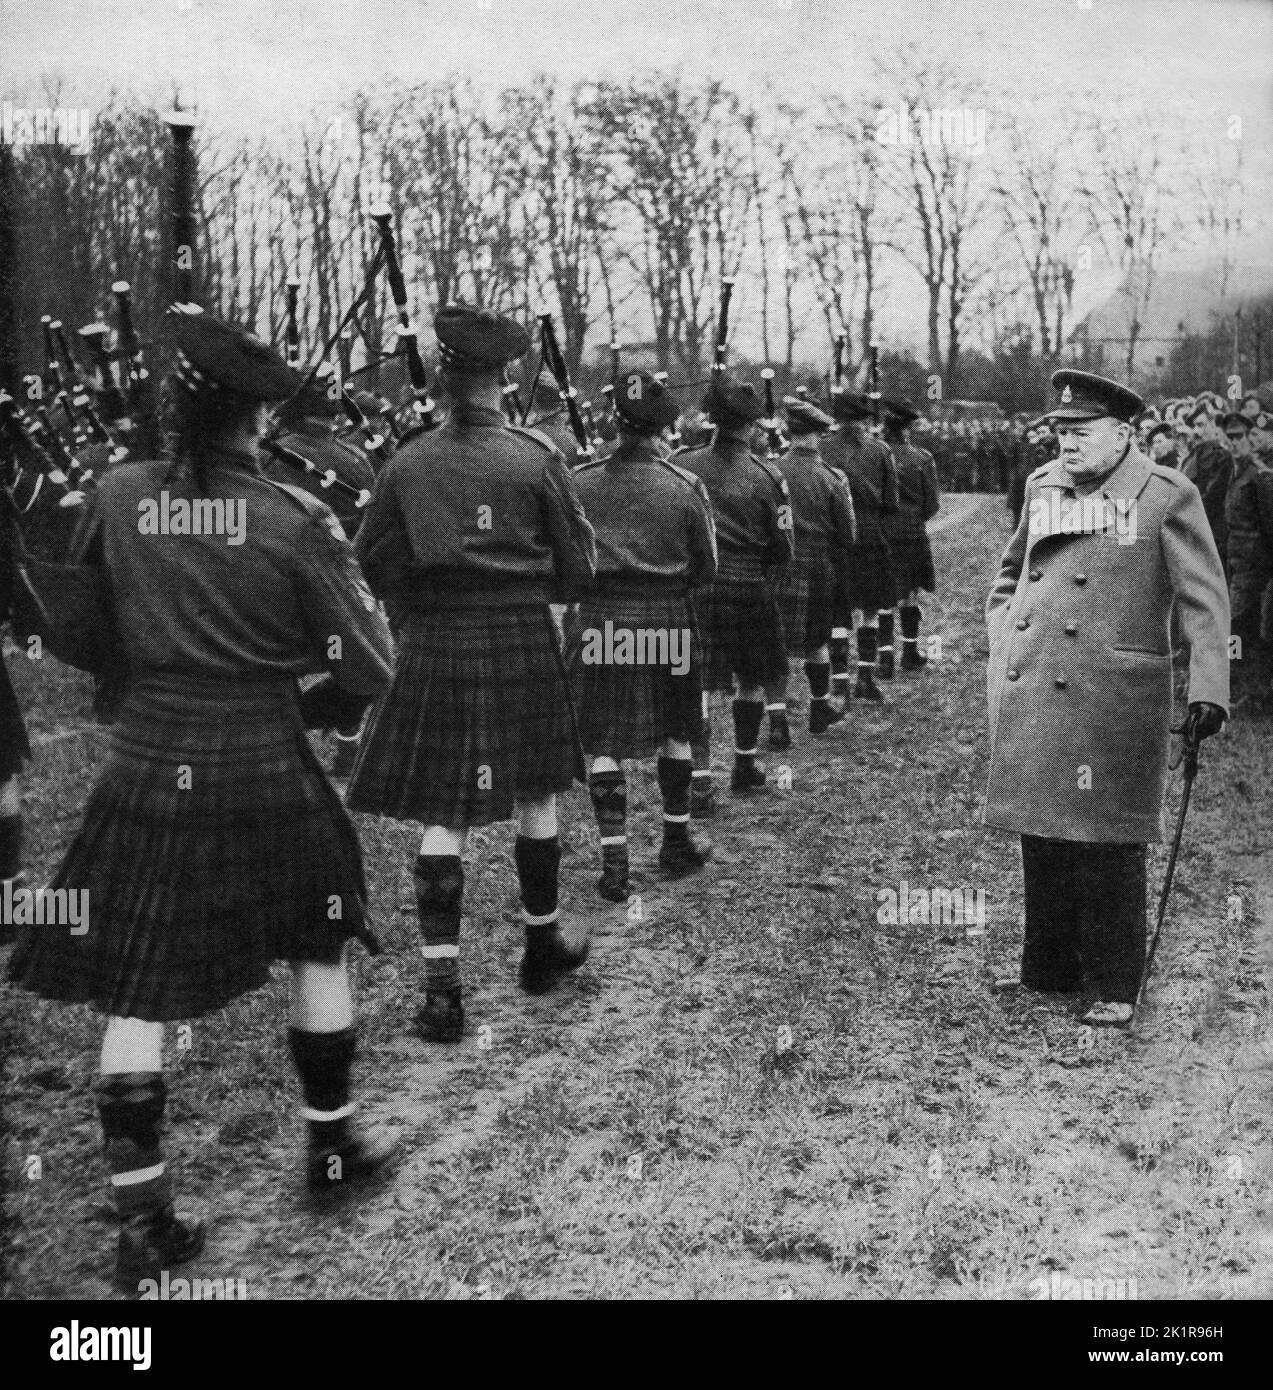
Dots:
pixel 738 618
pixel 473 530
pixel 1248 515
pixel 919 499
pixel 822 509
pixel 1080 687
pixel 212 844
pixel 656 542
pixel 872 476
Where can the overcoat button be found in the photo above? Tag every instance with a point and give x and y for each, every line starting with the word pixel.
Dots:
pixel 1071 628
pixel 1014 674
pixel 1023 624
pixel 1036 575
pixel 1080 579
pixel 1060 682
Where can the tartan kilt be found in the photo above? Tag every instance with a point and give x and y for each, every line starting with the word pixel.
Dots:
pixel 806 602
pixel 913 564
pixel 194 890
pixel 628 711
pixel 478 718
pixel 742 633
pixel 14 747
pixel 872 585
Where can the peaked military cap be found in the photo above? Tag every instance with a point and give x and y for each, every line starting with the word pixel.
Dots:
pixel 730 401
pixel 804 417
pixel 220 356
pixel 901 413
pixel 847 405
pixel 1196 412
pixel 1235 417
pixel 642 400
pixel 1086 396
pixel 478 339
pixel 1162 427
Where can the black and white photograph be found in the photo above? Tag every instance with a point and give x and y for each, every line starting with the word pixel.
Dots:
pixel 637 664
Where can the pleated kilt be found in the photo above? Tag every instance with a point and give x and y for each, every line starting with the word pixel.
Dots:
pixel 212 844
pixel 741 630
pixel 14 747
pixel 478 717
pixel 912 557
pixel 872 584
pixel 806 601
pixel 627 711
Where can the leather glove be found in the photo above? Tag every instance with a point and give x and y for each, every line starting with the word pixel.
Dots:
pixel 1204 720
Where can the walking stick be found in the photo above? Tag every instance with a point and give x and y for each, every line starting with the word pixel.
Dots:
pixel 1189 756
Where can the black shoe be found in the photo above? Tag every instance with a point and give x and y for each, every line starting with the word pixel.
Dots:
pixel 912 658
pixel 884 662
pixel 822 715
pixel 356 1160
pixel 779 733
pixel 153 1241
pixel 702 803
pixel 613 884
pixel 442 1018
pixel 865 689
pixel 545 960
pixel 747 779
pixel 677 857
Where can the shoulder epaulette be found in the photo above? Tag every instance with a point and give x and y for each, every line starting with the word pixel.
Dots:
pixel 775 474
pixel 1172 475
pixel 529 432
pixel 587 464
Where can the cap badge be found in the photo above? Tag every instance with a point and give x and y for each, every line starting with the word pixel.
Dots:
pixel 1067 396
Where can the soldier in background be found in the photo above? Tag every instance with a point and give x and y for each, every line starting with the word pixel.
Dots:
pixel 919 499
pixel 738 618
pixel 872 476
pixel 1248 514
pixel 1160 444
pixel 1209 468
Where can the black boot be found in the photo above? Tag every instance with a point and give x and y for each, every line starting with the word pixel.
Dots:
pixel 912 658
pixel 441 1020
pixel 747 777
pixel 865 687
pixel 547 957
pixel 609 793
pixel 884 648
pixel 152 1237
pixel 822 713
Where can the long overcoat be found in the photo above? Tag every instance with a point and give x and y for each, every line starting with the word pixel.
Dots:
pixel 1080 674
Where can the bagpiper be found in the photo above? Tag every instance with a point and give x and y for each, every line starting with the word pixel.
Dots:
pixel 742 633
pixel 872 476
pixel 918 501
pixel 212 844
pixel 822 511
pixel 473 530
pixel 634 652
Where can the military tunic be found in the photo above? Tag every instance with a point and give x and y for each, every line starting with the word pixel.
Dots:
pixel 919 499
pixel 872 476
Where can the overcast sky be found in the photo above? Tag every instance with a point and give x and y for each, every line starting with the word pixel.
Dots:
pixel 252 65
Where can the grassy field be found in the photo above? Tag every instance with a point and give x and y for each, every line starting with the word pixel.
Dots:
pixel 755 1088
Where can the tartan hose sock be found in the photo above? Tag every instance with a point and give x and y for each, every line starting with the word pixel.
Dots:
pixel 839 647
pixel 818 675
pixel 323 1061
pixel 130 1106
pixel 747 717
pixel 866 650
pixel 675 775
pixel 439 892
pixel 537 863
pixel 609 793
pixel 884 646
pixel 912 657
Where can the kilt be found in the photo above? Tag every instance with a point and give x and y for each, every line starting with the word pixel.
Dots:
pixel 194 890
pixel 871 582
pixel 626 711
pixel 14 747
pixel 478 718
pixel 741 631
pixel 806 602
pixel 913 564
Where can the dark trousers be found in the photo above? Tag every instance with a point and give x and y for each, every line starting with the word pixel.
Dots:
pixel 1084 917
